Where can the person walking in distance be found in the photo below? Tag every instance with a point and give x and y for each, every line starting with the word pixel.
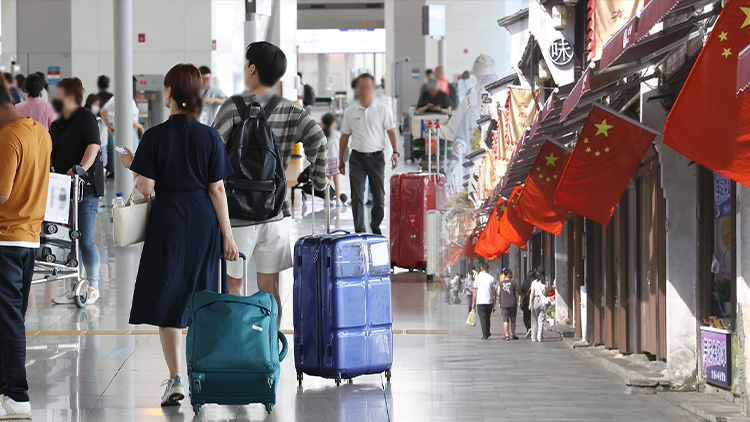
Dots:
pixel 367 122
pixel 538 305
pixel 524 291
pixel 25 149
pixel 213 97
pixel 508 298
pixel 484 298
pixel 268 240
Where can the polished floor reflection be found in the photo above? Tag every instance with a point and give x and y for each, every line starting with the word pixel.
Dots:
pixel 91 365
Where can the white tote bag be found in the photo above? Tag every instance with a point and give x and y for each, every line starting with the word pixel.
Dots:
pixel 130 222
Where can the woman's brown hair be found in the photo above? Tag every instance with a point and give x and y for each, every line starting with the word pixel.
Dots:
pixel 184 80
pixel 72 86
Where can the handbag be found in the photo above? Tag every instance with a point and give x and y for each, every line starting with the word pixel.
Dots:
pixel 471 320
pixel 129 222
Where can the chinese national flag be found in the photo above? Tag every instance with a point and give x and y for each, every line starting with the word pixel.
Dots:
pixel 512 227
pixel 490 244
pixel 537 204
pixel 471 243
pixel 709 123
pixel 607 154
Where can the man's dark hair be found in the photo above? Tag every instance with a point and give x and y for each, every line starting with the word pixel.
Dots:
pixel 102 82
pixel 428 72
pixel 364 76
pixel 8 77
pixel 20 79
pixel 43 78
pixel 33 85
pixel 484 266
pixel 300 75
pixel 205 70
pixel 5 98
pixel 269 61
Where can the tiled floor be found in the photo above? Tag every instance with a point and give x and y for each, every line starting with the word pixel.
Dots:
pixel 91 365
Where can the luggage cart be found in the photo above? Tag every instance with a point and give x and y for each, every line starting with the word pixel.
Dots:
pixel 47 267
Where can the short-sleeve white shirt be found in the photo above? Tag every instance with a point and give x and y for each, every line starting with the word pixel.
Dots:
pixel 367 126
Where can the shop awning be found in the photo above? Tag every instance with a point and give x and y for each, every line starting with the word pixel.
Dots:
pixel 743 70
pixel 594 80
pixel 634 40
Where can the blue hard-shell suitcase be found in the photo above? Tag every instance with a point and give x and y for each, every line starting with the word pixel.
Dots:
pixel 342 306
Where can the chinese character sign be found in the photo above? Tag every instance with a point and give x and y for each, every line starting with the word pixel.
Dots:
pixel 561 51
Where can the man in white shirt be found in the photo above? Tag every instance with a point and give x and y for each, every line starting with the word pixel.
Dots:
pixel 484 298
pixel 213 97
pixel 367 122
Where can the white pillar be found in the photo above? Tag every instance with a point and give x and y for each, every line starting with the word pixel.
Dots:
pixel 743 291
pixel 562 283
pixel 123 25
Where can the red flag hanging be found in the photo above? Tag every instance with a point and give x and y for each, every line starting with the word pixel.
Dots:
pixel 512 227
pixel 607 154
pixel 709 123
pixel 537 204
pixel 490 244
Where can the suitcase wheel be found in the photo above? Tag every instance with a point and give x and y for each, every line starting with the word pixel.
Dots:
pixel 388 375
pixel 51 229
pixel 197 408
pixel 74 234
pixel 338 380
pixel 299 378
pixel 73 263
pixel 269 408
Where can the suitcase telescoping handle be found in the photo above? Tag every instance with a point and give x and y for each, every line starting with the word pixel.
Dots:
pixel 326 207
pixel 223 266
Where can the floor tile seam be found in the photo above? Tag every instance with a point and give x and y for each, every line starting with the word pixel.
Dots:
pixel 138 346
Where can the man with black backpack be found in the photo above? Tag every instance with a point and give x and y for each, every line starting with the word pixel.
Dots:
pixel 260 130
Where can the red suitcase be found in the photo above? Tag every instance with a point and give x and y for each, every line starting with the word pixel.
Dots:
pixel 395 212
pixel 412 195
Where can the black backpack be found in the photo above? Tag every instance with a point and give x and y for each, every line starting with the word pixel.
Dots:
pixel 309 96
pixel 257 189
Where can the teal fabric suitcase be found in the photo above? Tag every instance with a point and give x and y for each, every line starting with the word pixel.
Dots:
pixel 233 351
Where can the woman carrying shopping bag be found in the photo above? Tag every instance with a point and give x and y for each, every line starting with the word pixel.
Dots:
pixel 185 163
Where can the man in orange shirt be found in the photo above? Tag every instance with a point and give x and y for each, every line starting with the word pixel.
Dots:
pixel 25 149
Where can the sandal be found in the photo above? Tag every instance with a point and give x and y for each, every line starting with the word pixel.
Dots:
pixel 507 338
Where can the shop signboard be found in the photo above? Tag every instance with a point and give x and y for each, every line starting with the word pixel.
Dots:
pixel 715 350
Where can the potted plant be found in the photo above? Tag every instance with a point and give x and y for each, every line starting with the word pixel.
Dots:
pixel 722 294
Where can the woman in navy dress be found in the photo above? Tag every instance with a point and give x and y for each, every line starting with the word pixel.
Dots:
pixel 185 163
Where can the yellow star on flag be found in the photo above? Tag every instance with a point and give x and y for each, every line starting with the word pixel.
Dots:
pixel 586 141
pixel 723 35
pixel 727 52
pixel 554 176
pixel 551 159
pixel 548 179
pixel 538 169
pixel 747 16
pixel 606 149
pixel 541 175
pixel 603 128
pixel 502 208
pixel 597 153
pixel 588 149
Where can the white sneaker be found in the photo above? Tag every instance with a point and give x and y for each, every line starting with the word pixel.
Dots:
pixel 93 295
pixel 13 410
pixel 64 299
pixel 174 393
